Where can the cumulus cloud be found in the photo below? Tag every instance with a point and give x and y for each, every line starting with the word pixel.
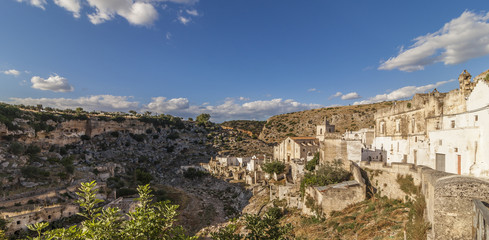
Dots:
pixel 36 3
pixel 192 12
pixel 337 94
pixel 183 20
pixel 227 110
pixel 244 99
pixel 97 102
pixel 12 72
pixel 73 6
pixel 349 96
pixel 54 83
pixel 459 40
pixel 136 13
pixel 402 93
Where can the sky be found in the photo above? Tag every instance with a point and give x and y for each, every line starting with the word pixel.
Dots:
pixel 240 59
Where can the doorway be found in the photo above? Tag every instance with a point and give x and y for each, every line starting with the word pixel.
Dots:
pixel 440 162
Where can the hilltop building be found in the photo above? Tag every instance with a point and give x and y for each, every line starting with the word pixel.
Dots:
pixel 296 148
pixel 445 131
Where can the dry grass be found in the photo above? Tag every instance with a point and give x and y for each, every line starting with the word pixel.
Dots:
pixel 376 218
pixel 304 123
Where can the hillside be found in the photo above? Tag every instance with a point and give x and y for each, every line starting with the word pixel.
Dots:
pixel 248 126
pixel 304 123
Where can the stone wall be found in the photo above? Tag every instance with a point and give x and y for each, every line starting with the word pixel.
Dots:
pixel 334 149
pixel 449 198
pixel 20 220
pixel 323 200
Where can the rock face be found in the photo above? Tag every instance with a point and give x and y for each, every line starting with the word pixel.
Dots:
pixel 304 123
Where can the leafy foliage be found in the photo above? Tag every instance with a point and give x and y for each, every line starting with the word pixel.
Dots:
pixel 33 172
pixel 311 165
pixel 203 119
pixel 193 173
pixel 273 167
pixel 148 221
pixel 330 173
pixel 259 227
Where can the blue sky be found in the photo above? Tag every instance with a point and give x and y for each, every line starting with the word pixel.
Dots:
pixel 234 59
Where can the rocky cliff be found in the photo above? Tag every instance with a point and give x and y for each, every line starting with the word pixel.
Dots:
pixel 304 123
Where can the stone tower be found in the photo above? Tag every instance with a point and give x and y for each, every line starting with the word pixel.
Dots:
pixel 466 85
pixel 323 129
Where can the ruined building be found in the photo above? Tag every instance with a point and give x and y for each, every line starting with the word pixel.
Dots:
pixel 445 131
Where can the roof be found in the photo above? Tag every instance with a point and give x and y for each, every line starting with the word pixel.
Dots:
pixel 303 138
pixel 343 185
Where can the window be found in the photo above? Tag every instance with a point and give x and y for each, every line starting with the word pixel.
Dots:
pixel 397 146
pixel 476 118
pixel 320 131
pixel 453 123
pixel 382 127
pixel 398 125
pixel 18 222
pixel 413 125
pixel 415 139
pixel 455 149
pixel 440 142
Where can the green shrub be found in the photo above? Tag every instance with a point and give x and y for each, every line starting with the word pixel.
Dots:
pixel 274 167
pixel 124 192
pixel 33 172
pixel 32 149
pixel 143 177
pixel 85 137
pixel 330 173
pixel 173 135
pixel 193 173
pixel 406 183
pixel 16 148
pixel 311 165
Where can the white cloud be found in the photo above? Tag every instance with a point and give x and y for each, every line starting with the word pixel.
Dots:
pixel 349 96
pixel 36 3
pixel 97 102
pixel 183 20
pixel 73 6
pixel 168 35
pixel 459 40
pixel 160 104
pixel 312 90
pixel 337 94
pixel 229 109
pixel 244 99
pixel 12 72
pixel 189 2
pixel 54 83
pixel 136 13
pixel 402 93
pixel 192 12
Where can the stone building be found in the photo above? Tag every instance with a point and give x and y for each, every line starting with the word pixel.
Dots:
pixel 444 131
pixel 364 135
pixel 323 130
pixel 296 148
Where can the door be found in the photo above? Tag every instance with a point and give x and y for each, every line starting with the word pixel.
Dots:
pixel 440 162
pixel 459 169
pixel 415 156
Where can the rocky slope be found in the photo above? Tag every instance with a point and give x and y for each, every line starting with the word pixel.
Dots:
pixel 304 123
pixel 44 151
